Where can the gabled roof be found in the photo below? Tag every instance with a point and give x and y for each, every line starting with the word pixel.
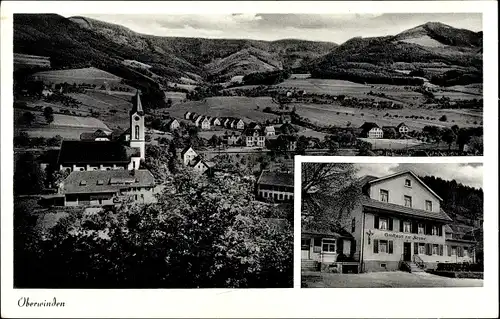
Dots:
pixel 186 149
pixel 90 152
pixel 253 125
pixel 403 173
pixel 269 128
pixel 93 135
pixel 403 210
pixel 276 178
pixel 106 181
pixel 368 126
pixel 367 178
pixel 137 108
pixel 402 124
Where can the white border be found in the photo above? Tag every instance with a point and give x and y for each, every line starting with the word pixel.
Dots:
pixel 456 302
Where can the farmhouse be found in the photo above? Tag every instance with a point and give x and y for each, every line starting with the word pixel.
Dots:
pixel 277 186
pixel 188 154
pixel 371 130
pixel 399 224
pixel 238 124
pixel 191 159
pixel 107 155
pixel 255 137
pixel 173 125
pixel 97 188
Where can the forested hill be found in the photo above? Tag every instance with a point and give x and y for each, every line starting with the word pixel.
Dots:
pixel 462 203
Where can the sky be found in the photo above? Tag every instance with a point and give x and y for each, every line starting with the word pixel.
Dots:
pixel 336 28
pixel 470 174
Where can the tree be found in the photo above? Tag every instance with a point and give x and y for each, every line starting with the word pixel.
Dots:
pixel 214 140
pixel 448 137
pixel 476 145
pixel 169 102
pixel 28 176
pixel 200 234
pixel 443 118
pixel 48 113
pixel 302 144
pixel 28 118
pixel 329 192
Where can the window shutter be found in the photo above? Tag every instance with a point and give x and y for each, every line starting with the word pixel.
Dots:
pixel 401 225
pixel 375 246
pixel 353 247
pixel 448 248
pixel 390 247
pixel 428 229
pixel 440 230
pixel 390 224
pixel 376 222
pixel 460 251
pixel 340 246
pixel 415 248
pixel 440 250
pixel 428 249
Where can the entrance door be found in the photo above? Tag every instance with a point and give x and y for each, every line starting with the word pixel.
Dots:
pixel 305 248
pixel 407 251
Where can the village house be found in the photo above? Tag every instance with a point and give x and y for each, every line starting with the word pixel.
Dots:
pixel 254 137
pixel 173 125
pixel 46 92
pixel 403 129
pixel 231 139
pixel 90 155
pixel 239 124
pixel 254 126
pixel 371 130
pixel 269 130
pixel 98 188
pixel 205 123
pixel 285 119
pixel 191 159
pixel 214 121
pixel 188 154
pixel 227 122
pixel 198 119
pixel 399 225
pixel 187 115
pixel 274 185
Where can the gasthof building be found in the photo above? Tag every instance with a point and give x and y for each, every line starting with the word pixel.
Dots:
pixel 399 225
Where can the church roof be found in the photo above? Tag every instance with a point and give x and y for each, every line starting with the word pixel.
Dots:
pixel 137 108
pixel 92 152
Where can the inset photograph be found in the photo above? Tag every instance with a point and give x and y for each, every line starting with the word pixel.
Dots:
pixel 391 225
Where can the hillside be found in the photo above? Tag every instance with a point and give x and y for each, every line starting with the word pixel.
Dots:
pixel 433 49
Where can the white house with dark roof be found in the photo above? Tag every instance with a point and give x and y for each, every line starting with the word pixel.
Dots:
pixel 276 186
pixel 205 123
pixel 98 188
pixel 269 130
pixel 398 225
pixel 187 115
pixel 403 129
pixel 188 154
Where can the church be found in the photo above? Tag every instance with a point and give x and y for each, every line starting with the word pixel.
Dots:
pixel 100 153
pixel 105 170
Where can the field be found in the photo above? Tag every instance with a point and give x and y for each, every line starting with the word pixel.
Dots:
pixel 79 76
pixel 391 144
pixel 248 109
pixel 176 97
pixel 338 115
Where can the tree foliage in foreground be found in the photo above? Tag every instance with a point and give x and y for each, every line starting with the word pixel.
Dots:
pixel 201 233
pixel 329 192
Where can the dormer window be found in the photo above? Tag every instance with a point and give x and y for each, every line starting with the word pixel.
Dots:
pixel 408 182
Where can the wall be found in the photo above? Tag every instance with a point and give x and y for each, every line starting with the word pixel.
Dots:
pixel 134 164
pixel 267 193
pixel 397 190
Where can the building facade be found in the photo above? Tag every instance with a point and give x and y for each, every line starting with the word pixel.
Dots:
pixel 276 186
pixel 400 225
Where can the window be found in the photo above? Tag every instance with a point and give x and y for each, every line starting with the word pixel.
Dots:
pixel 421 249
pixel 435 230
pixel 304 244
pixel 382 224
pixel 453 250
pixel 466 252
pixel 435 249
pixel 100 201
pixel 328 245
pixel 408 182
pixel 383 246
pixel 421 229
pixel 407 201
pixel 428 205
pixel 281 196
pixel 137 132
pixel 406 227
pixel 384 195
pixel 353 225
pixel 383 265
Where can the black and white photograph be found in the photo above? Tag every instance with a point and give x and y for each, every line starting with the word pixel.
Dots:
pixel 178 158
pixel 392 225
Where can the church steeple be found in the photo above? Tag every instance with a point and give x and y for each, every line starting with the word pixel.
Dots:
pixel 137 108
pixel 137 129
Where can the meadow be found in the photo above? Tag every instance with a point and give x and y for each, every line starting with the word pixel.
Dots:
pixel 79 76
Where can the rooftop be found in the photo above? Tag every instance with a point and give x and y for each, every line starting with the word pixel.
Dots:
pixel 398 209
pixel 89 152
pixel 276 178
pixel 106 181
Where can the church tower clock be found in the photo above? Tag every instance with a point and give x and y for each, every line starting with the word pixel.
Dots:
pixel 137 131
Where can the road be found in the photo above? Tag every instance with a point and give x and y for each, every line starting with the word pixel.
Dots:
pixel 393 279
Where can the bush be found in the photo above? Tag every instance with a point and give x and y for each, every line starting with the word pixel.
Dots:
pixel 459 267
pixel 443 118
